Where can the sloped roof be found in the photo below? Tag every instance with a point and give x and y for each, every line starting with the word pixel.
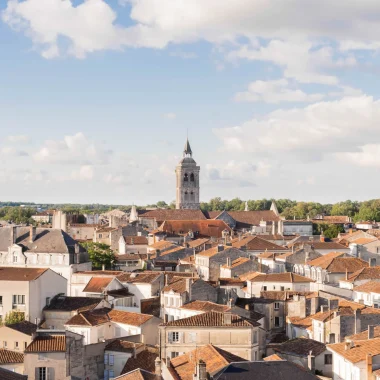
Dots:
pixel 97 284
pixel 47 240
pixel 66 303
pixel 10 375
pixel 366 273
pixel 25 327
pixel 48 343
pixel 273 357
pixel 143 360
pixel 197 242
pixel 10 357
pixel 325 259
pixel 20 274
pixel 122 345
pixel 301 347
pixel 214 357
pixel 369 287
pixel 212 319
pixel 212 228
pixel 364 334
pixel 323 245
pixel 135 240
pixel 137 374
pixel 139 278
pixel 163 244
pixel 235 263
pixel 212 251
pixel 167 214
pixel 205 306
pixel 255 243
pixel 280 277
pixel 341 264
pixel 254 218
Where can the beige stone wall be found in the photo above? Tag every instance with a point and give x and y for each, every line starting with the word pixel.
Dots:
pixel 11 337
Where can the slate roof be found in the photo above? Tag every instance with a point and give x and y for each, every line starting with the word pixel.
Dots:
pixel 10 375
pixel 48 240
pixel 301 347
pixel 20 274
pixel 48 343
pixel 122 345
pixel 25 327
pixel 143 360
pixel 65 303
pixel 212 319
pixel 360 350
pixel 279 370
pixel 10 357
pixel 214 357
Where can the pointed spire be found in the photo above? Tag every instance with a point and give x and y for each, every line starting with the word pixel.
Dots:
pixel 187 150
pixel 273 208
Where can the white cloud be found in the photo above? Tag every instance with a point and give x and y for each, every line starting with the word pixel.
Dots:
pixel 13 152
pixel 184 55
pixel 116 179
pixel 170 115
pixel 310 132
pixel 85 173
pixel 306 181
pixel 72 150
pixel 368 156
pixel 275 91
pixel 18 139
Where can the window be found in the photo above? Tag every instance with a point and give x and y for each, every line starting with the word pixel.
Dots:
pixel 274 288
pixel 192 337
pixel 276 321
pixel 255 337
pixel 105 358
pixel 106 374
pixel 47 301
pixel 276 305
pixel 42 373
pixel 282 288
pixel 111 373
pixel 111 360
pixel 192 177
pixel 16 346
pixel 265 288
pixel 15 258
pixel 174 337
pixel 18 300
pixel 25 345
pixel 185 177
pixel 328 359
pixel 100 236
pixel 4 344
pixel 1 300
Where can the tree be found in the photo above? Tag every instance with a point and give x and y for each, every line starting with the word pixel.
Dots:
pixel 330 231
pixel 14 317
pixel 100 254
pixel 162 204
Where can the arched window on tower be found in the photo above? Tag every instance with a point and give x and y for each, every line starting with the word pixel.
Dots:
pixel 192 196
pixel 192 179
pixel 186 196
pixel 185 177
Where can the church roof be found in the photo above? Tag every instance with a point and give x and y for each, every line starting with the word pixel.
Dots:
pixel 187 149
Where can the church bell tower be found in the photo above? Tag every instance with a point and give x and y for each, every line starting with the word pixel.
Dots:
pixel 187 177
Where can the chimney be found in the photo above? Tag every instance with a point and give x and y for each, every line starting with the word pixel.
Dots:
pixel 227 318
pixel 157 367
pixel 311 362
pixel 372 262
pixel 13 234
pixel 220 247
pixel 322 238
pixel 103 267
pixel 246 307
pixel 371 331
pixel 229 302
pixel 32 234
pixel 369 366
pixel 307 257
pixel 188 286
pixel 357 313
pixel 336 314
pixel 324 308
pixel 228 261
pixel 76 247
pixel 201 372
pixel 333 304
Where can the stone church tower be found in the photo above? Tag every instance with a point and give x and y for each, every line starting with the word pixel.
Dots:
pixel 187 176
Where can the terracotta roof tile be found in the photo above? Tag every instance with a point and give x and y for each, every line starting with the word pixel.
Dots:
pixel 49 343
pixel 280 277
pixel 20 274
pixel 324 245
pixel 360 350
pixel 366 273
pixel 162 245
pixel 212 228
pixel 212 251
pixel 143 360
pixel 363 240
pixel 254 217
pixel 197 243
pixel 160 215
pixel 122 345
pixel 325 259
pixel 10 357
pixel 364 334
pixel 136 240
pixel 177 286
pixel 97 284
pixel 129 318
pixel 305 323
pixel 212 319
pixel 255 243
pixel 368 287
pixel 137 374
pixel 205 306
pixel 271 358
pixel 237 262
pixel 139 278
pixel 214 357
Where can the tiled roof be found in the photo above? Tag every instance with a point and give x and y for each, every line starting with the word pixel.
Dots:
pixel 339 264
pixel 334 219
pixel 301 347
pixel 20 274
pixel 360 350
pixel 214 357
pixel 101 316
pixel 266 255
pixel 301 322
pixel 363 240
pixel 249 275
pixel 324 245
pixel 99 273
pixel 197 243
pixel 97 284
pixel 171 250
pixel 49 343
pixel 286 294
pixel 10 375
pixel 139 278
pixel 344 310
pixel 213 228
pixel 255 243
pixel 212 251
pixel 163 244
pixel 254 217
pixel 65 303
pixel 135 240
pixel 325 259
pixel 278 237
pixel 131 256
pixel 10 357
pixel 367 273
pixel 160 215
pixel 237 262
pixel 280 277
pixel 48 240
pixel 122 345
pixel 364 334
pixel 369 287
pixel 205 306
pixel 137 374
pixel 271 358
pixel 212 319
pixel 24 327
pixel 143 360
pixel 177 286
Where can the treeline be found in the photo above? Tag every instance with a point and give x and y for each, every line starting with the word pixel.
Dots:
pixel 366 210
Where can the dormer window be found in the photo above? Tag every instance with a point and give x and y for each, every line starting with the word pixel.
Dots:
pixel 15 257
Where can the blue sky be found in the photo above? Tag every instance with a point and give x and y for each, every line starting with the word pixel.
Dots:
pixel 96 99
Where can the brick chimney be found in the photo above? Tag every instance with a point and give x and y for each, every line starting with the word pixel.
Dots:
pixel 371 331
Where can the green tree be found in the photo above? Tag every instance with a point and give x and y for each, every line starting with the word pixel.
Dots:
pixel 14 317
pixel 162 204
pixel 345 208
pixel 330 231
pixel 100 254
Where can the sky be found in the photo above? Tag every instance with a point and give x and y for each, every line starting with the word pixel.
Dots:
pixel 279 99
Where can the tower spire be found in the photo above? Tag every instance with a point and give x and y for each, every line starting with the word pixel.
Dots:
pixel 187 150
